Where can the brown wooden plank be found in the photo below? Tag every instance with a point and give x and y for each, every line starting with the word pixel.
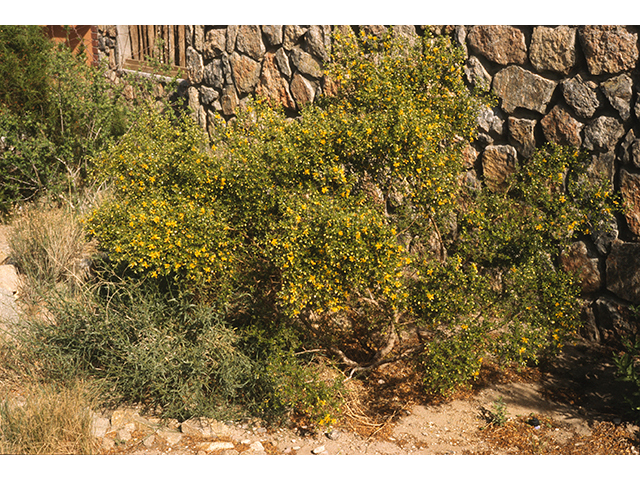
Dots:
pixel 144 42
pixel 182 46
pixel 151 38
pixel 142 66
pixel 135 41
pixel 171 51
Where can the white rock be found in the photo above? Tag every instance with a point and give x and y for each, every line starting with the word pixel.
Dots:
pixel 170 437
pixel 256 446
pixel 100 426
pixel 215 446
pixel 318 450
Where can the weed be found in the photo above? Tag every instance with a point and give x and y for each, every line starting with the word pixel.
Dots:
pixel 50 420
pixel 497 416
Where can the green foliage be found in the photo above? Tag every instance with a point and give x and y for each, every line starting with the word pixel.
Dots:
pixel 24 51
pixel 55 112
pixel 145 346
pixel 351 223
pixel 164 219
pixel 497 416
pixel 628 370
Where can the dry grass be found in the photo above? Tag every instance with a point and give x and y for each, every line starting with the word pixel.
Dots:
pixel 47 420
pixel 48 245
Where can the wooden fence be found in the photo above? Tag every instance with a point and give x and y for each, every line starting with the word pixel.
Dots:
pixel 144 44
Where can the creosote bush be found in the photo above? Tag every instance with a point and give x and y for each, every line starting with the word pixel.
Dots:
pixel 355 221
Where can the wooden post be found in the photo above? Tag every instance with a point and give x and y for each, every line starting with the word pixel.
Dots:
pixel 182 47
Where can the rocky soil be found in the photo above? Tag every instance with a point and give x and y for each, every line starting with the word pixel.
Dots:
pixel 572 405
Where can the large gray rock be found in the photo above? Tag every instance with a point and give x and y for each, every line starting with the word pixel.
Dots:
pixel 518 87
pixel 522 135
pixel 195 66
pixel 213 75
pixel 501 44
pixel 215 43
pixel 208 95
pixel 581 96
pixel 589 329
pixel 602 134
pixel 198 37
pixel 604 234
pixel 499 162
pixel 317 41
pixel 613 318
pixel 249 41
pixel 630 191
pixel 609 48
pixel 561 128
pixel 232 36
pixel 272 84
pixel 618 91
pixel 553 49
pixel 602 168
pixel 246 72
pixel 283 63
pixel 303 90
pixel 623 270
pixel 476 74
pixel 272 34
pixel 305 63
pixel 584 264
pixel 229 100
pixel 292 35
pixel 630 150
pixel 490 123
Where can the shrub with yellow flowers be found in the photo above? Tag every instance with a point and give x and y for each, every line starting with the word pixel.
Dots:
pixel 351 222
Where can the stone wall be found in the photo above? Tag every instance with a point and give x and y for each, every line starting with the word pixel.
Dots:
pixel 572 85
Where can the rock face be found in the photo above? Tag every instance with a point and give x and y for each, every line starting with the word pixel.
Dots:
pixel 501 44
pixel 498 163
pixel 630 191
pixel 561 128
pixel 581 96
pixel 609 49
pixel 585 264
pixel 623 271
pixel 553 49
pixel 522 135
pixel 518 87
pixel 618 91
pixel 603 133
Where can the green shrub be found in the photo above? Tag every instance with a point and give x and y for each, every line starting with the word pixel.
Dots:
pixel 55 113
pixel 353 221
pixel 628 370
pixel 144 346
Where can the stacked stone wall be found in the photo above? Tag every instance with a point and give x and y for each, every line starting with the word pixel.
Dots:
pixel 572 85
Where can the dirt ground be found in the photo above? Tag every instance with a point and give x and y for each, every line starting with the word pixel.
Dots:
pixel 571 406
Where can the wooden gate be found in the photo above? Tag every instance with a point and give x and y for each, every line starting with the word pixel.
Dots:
pixel 143 45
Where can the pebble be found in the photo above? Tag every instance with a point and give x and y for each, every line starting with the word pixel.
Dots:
pixel 333 434
pixel 318 450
